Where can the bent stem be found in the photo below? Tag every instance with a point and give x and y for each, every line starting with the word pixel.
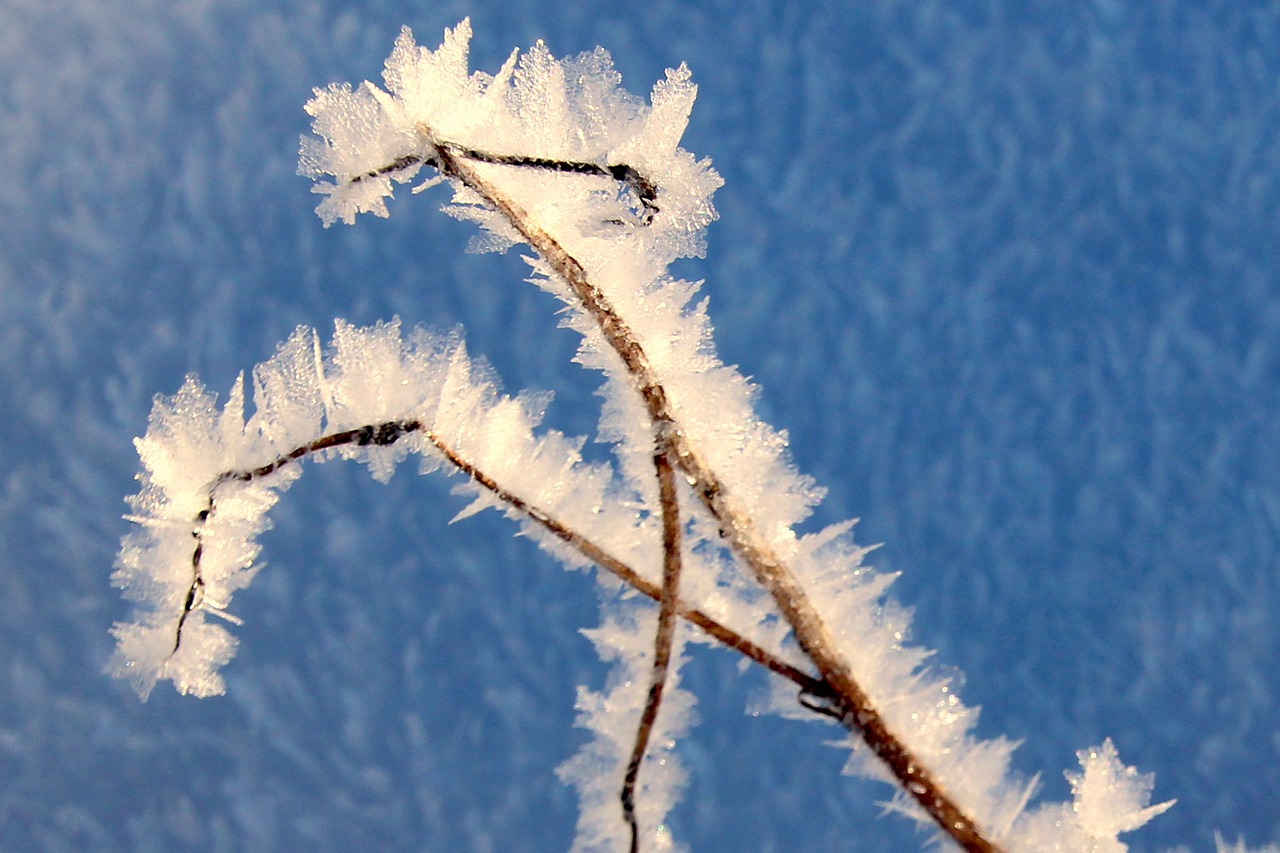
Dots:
pixel 378 435
pixel 857 713
pixel 387 433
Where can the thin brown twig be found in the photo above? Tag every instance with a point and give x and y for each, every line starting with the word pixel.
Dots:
pixel 668 603
pixel 376 434
pixel 859 714
pixel 645 192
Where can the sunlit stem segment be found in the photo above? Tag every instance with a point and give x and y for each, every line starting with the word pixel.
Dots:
pixel 857 714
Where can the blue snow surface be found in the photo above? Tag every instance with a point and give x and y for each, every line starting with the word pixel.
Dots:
pixel 1007 271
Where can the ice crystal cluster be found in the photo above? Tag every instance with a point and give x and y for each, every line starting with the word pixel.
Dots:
pixel 554 153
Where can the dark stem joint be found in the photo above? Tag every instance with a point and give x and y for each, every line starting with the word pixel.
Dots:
pixel 382 435
pixel 640 185
pixel 821 699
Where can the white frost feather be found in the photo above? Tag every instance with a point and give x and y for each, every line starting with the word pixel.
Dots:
pixel 1108 799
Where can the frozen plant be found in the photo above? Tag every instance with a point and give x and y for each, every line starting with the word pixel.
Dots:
pixel 698 512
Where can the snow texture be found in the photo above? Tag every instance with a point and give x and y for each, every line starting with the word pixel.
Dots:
pixel 1006 273
pixel 1239 847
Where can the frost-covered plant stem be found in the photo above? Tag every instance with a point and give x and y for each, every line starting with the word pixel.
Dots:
pixel 669 448
pixel 855 709
pixel 700 512
pixel 664 634
pixel 388 433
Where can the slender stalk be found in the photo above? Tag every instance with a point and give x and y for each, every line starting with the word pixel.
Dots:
pixel 375 434
pixel 668 603
pixel 814 637
pixel 646 193
pixel 452 159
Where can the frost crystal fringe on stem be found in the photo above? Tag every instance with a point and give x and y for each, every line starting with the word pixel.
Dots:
pixel 554 154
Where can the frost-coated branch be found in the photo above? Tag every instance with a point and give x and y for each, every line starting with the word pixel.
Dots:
pixel 858 713
pixel 552 153
pixel 664 641
pixel 286 382
pixel 386 434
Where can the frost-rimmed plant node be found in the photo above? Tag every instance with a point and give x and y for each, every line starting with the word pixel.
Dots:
pixel 698 511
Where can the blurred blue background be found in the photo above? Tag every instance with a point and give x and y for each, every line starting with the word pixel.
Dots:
pixel 1006 271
